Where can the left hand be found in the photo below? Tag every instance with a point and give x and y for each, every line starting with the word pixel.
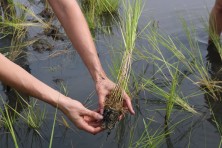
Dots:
pixel 83 118
pixel 104 87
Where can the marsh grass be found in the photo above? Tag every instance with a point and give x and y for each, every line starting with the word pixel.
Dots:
pixel 167 71
pixel 217 122
pixel 8 121
pixel 188 57
pixel 150 138
pixel 129 33
pixel 173 89
pixel 100 14
pixel 212 30
pixel 34 116
pixel 14 23
pixel 198 67
pixel 53 128
pixel 107 6
pixel 170 96
pixel 31 115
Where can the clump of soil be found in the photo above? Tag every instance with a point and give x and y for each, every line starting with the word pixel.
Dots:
pixel 112 111
pixel 110 118
pixel 54 32
pixel 42 45
pixel 47 13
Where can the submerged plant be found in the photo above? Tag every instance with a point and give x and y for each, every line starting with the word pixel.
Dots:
pixel 14 23
pixel 114 103
pixel 100 14
pixel 151 139
pixel 34 116
pixel 8 122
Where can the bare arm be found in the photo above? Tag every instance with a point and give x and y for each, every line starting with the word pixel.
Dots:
pixel 74 23
pixel 16 77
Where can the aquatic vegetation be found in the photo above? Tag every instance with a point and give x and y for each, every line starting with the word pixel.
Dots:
pixel 100 14
pixel 8 121
pixel 114 104
pixel 53 128
pixel 217 121
pixel 34 116
pixel 150 138
pixel 150 86
pixel 212 30
pixel 157 78
pixel 166 71
pixel 14 23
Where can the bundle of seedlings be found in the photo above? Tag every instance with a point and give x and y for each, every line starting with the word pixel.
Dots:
pixel 114 102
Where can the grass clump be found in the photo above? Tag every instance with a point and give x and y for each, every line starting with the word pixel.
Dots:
pixel 7 121
pixel 100 14
pixel 114 104
pixel 14 24
pixel 168 75
pixel 34 116
pixel 149 138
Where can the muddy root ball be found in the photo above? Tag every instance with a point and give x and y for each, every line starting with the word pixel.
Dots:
pixel 110 118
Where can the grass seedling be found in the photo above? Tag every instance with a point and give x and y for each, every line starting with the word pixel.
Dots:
pixel 34 116
pixel 53 128
pixel 31 114
pixel 216 121
pixel 150 86
pixel 109 6
pixel 197 64
pixel 213 30
pixel 63 89
pixel 14 22
pixel 114 104
pixel 150 139
pixel 100 14
pixel 167 70
pixel 173 89
pixel 8 122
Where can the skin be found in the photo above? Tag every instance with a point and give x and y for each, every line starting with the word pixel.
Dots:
pixel 73 21
pixel 216 18
pixel 75 25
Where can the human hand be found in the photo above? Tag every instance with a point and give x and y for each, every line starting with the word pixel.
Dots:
pixel 82 117
pixel 103 87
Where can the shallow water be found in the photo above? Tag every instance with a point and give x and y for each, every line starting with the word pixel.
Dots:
pixel 67 67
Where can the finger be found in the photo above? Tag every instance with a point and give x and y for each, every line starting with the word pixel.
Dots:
pixel 92 115
pixel 121 117
pixel 95 124
pixel 101 103
pixel 90 119
pixel 128 103
pixel 86 127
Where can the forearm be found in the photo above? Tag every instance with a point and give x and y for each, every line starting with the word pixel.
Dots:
pixel 16 77
pixel 74 23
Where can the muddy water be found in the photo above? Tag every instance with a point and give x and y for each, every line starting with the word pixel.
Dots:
pixel 63 65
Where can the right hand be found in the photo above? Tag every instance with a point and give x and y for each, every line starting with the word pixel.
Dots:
pixel 104 87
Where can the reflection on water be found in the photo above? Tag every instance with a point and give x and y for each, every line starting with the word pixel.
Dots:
pixel 215 69
pixel 100 21
pixel 131 128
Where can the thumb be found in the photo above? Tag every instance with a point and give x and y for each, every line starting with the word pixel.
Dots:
pixel 101 103
pixel 93 114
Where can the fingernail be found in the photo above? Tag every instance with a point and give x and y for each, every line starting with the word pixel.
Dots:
pixel 101 111
pixel 100 117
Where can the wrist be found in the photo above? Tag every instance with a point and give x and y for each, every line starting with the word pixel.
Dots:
pixel 64 104
pixel 99 76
